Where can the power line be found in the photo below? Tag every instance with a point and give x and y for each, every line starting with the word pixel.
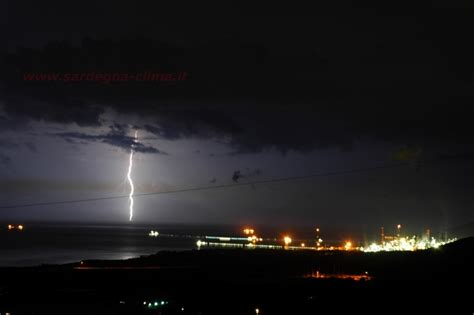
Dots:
pixel 275 180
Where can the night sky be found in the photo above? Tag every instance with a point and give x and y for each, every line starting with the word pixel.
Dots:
pixel 272 91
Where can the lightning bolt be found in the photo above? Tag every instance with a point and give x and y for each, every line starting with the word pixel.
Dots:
pixel 129 176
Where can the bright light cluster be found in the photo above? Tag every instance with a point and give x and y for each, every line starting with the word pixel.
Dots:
pixel 153 233
pixel 405 244
pixel 249 231
pixel 254 239
pixel 155 304
pixel 13 227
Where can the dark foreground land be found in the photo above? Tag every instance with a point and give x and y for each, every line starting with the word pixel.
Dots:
pixel 240 281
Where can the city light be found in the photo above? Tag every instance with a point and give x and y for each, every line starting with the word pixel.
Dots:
pixel 355 277
pixel 19 227
pixel 398 230
pixel 319 241
pixel 156 304
pixel 153 233
pixel 249 231
pixel 405 244
pixel 252 241
pixel 348 246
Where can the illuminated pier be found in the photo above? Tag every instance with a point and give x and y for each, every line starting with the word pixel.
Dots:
pixel 252 241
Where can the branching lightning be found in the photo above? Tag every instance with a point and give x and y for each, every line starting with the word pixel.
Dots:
pixel 129 176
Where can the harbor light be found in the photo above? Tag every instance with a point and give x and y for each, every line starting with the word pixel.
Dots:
pixel 287 240
pixel 348 246
pixel 248 231
pixel 153 233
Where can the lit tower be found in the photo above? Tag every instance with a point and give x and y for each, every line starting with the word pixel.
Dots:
pixel 382 236
pixel 428 234
pixel 318 237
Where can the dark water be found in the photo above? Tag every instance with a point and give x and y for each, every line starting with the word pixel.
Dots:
pixel 63 243
pixel 57 243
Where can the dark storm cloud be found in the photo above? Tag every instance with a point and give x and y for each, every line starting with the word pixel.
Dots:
pixel 165 132
pixel 194 120
pixel 4 159
pixel 31 146
pixel 291 83
pixel 13 144
pixel 114 139
pixel 52 108
pixel 8 124
pixel 237 175
pixel 7 144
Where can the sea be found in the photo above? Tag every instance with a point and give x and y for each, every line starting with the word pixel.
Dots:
pixel 45 243
pixel 60 243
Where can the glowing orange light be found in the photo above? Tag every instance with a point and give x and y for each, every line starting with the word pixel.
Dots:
pixel 20 227
pixel 303 244
pixel 348 245
pixel 249 231
pixel 287 240
pixel 10 226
